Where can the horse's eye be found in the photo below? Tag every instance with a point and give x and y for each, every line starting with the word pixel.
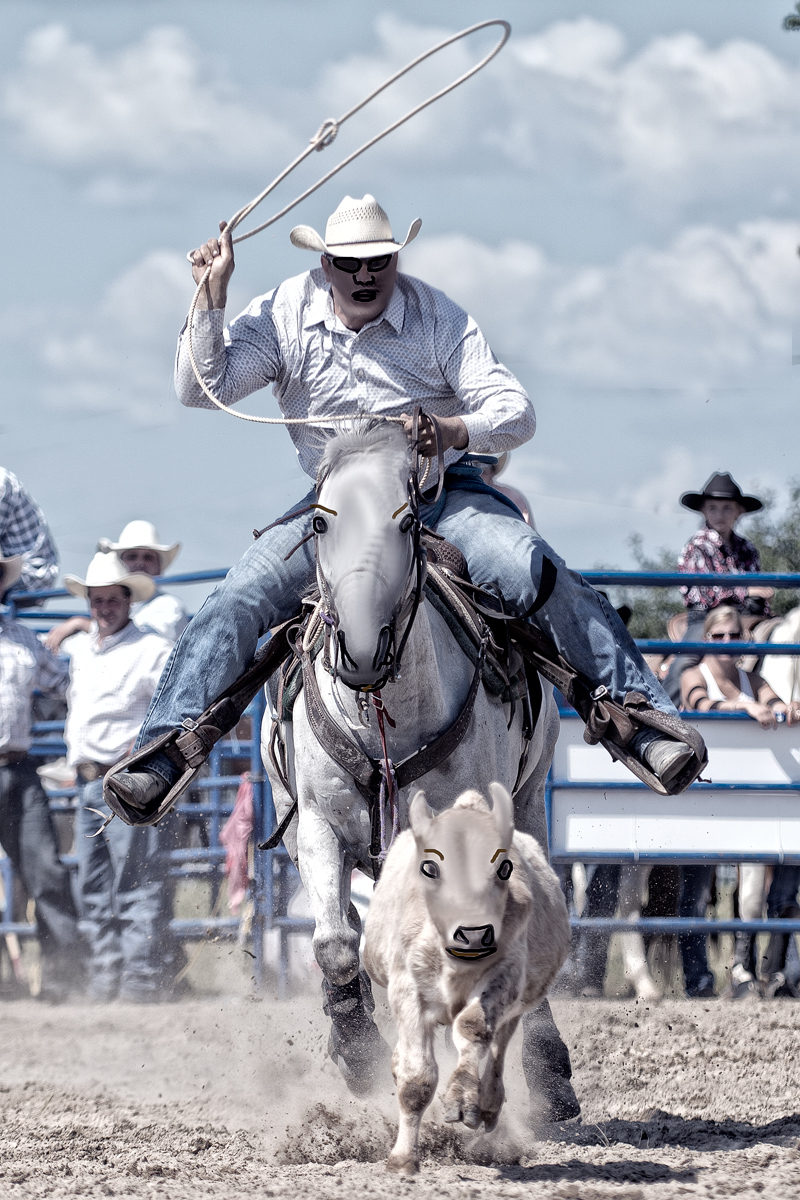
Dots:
pixel 505 869
pixel 429 869
pixel 406 523
pixel 320 525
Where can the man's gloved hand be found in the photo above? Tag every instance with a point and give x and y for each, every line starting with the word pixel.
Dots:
pixel 218 252
pixel 452 429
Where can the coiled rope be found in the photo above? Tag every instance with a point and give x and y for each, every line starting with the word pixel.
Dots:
pixel 322 138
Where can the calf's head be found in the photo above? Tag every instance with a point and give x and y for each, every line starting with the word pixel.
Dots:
pixel 465 863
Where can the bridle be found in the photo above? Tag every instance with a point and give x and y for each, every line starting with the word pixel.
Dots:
pixel 389 654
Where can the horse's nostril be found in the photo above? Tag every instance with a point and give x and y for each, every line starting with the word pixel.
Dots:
pixel 460 936
pixel 488 937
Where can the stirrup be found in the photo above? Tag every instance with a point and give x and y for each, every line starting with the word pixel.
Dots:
pixel 167 743
pixel 614 726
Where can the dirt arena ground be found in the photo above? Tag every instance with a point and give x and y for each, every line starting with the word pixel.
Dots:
pixel 233 1097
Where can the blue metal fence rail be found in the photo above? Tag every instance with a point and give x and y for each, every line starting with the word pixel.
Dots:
pixel 274 877
pixel 208 804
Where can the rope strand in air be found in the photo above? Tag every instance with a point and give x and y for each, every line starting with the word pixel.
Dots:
pixel 324 136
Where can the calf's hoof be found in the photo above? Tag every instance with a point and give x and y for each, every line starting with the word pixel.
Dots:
pixel 402 1164
pixel 553 1101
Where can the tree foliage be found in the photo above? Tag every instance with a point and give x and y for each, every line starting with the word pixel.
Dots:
pixel 793 19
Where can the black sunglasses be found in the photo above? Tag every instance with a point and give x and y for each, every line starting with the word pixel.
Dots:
pixel 351 266
pixel 732 637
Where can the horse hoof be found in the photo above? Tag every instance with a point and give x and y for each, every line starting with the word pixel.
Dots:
pixel 360 1062
pixel 453 1114
pixel 402 1165
pixel 472 1116
pixel 490 1120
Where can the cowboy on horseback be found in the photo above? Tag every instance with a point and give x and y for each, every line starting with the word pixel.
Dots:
pixel 356 336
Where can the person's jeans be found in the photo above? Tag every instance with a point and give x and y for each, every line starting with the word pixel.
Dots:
pixel 29 839
pixel 783 890
pixel 601 901
pixel 501 550
pixel 694 897
pixel 122 876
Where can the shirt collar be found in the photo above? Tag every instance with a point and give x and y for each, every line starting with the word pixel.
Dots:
pixel 716 538
pixel 320 311
pixel 113 640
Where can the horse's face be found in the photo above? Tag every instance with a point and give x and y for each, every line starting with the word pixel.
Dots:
pixel 365 550
pixel 464 865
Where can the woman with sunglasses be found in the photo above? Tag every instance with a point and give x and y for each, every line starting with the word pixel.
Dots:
pixel 719 685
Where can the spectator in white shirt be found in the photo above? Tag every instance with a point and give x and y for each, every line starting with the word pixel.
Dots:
pixel 26 827
pixel 142 553
pixel 122 872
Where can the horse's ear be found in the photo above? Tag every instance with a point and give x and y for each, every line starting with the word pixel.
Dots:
pixel 419 816
pixel 503 813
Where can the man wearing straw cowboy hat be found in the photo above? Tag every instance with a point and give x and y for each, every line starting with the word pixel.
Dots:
pixel 26 826
pixel 114 670
pixel 355 336
pixel 142 552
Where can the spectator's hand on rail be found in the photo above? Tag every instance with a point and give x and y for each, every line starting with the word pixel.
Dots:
pixel 792 712
pixel 60 633
pixel 764 593
pixel 761 713
pixel 218 252
pixel 453 431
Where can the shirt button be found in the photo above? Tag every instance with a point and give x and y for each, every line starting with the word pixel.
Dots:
pixel 360 375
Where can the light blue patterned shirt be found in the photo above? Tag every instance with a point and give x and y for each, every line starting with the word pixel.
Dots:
pixel 422 349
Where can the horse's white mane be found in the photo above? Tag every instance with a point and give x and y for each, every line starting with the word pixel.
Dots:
pixel 369 434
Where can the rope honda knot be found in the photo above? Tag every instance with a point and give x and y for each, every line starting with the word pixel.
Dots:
pixel 325 134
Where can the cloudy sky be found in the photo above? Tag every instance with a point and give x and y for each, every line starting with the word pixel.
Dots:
pixel 614 200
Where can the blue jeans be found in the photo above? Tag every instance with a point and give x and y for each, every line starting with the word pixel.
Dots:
pixel 122 877
pixel 694 897
pixel 264 589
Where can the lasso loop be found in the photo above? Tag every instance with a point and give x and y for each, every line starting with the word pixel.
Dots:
pixel 323 137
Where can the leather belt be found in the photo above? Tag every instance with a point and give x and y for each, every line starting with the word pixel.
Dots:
pixel 89 771
pixel 12 758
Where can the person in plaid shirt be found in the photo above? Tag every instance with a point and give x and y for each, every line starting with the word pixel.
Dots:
pixel 24 531
pixel 716 549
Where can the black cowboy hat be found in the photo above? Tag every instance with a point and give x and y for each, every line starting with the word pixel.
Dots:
pixel 721 486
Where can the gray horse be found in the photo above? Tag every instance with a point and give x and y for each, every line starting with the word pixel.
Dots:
pixel 369 580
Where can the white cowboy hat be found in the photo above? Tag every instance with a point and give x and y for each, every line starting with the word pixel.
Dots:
pixel 141 535
pixel 358 227
pixel 10 571
pixel 105 570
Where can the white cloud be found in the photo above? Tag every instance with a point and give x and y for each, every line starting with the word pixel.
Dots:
pixel 705 119
pixel 148 106
pixel 700 117
pixel 712 307
pixel 118 356
pixel 676 106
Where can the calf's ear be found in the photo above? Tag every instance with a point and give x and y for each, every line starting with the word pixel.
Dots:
pixel 503 813
pixel 420 816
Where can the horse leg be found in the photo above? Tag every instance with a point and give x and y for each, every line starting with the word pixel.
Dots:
pixel 355 1044
pixel 545 1058
pixel 545 1062
pixel 631 885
